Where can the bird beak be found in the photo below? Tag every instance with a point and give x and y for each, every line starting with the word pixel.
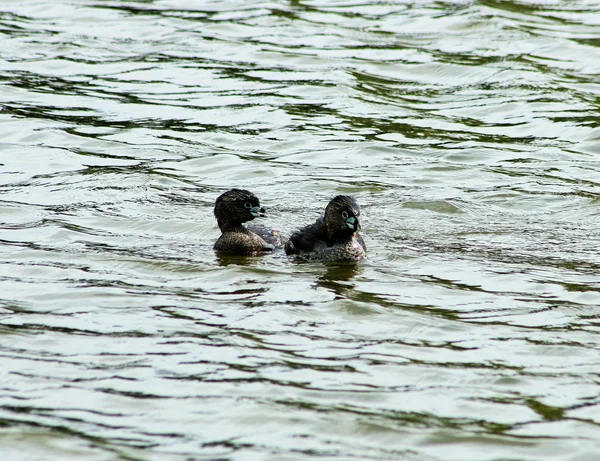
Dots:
pixel 257 211
pixel 353 223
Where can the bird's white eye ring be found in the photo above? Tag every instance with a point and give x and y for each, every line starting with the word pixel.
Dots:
pixel 247 205
pixel 344 214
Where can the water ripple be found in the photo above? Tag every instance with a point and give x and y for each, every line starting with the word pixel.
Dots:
pixel 467 131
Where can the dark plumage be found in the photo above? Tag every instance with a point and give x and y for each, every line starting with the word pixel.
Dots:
pixel 332 237
pixel 232 209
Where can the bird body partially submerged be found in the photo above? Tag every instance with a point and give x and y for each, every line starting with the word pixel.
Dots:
pixel 333 237
pixel 232 209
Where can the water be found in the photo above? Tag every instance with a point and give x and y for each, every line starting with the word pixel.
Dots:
pixel 468 131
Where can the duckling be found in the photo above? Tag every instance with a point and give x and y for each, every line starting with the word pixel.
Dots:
pixel 332 237
pixel 232 209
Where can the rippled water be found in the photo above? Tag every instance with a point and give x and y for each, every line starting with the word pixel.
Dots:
pixel 468 131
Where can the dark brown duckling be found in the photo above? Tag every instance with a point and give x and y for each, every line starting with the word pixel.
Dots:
pixel 232 209
pixel 332 237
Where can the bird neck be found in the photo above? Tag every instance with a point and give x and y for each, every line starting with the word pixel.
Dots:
pixel 341 236
pixel 231 226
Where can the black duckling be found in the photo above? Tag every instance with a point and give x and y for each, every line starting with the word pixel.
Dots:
pixel 233 208
pixel 332 237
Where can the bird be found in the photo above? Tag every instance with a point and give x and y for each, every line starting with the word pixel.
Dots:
pixel 232 209
pixel 332 237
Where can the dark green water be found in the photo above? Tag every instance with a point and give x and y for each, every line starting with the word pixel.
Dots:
pixel 468 131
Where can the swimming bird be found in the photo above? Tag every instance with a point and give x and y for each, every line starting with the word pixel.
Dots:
pixel 232 209
pixel 332 237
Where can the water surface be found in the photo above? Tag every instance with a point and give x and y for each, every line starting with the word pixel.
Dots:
pixel 468 131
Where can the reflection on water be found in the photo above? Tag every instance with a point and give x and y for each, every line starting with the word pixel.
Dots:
pixel 225 260
pixel 467 131
pixel 338 279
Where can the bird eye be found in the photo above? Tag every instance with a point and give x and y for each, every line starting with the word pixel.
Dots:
pixel 344 214
pixel 247 205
